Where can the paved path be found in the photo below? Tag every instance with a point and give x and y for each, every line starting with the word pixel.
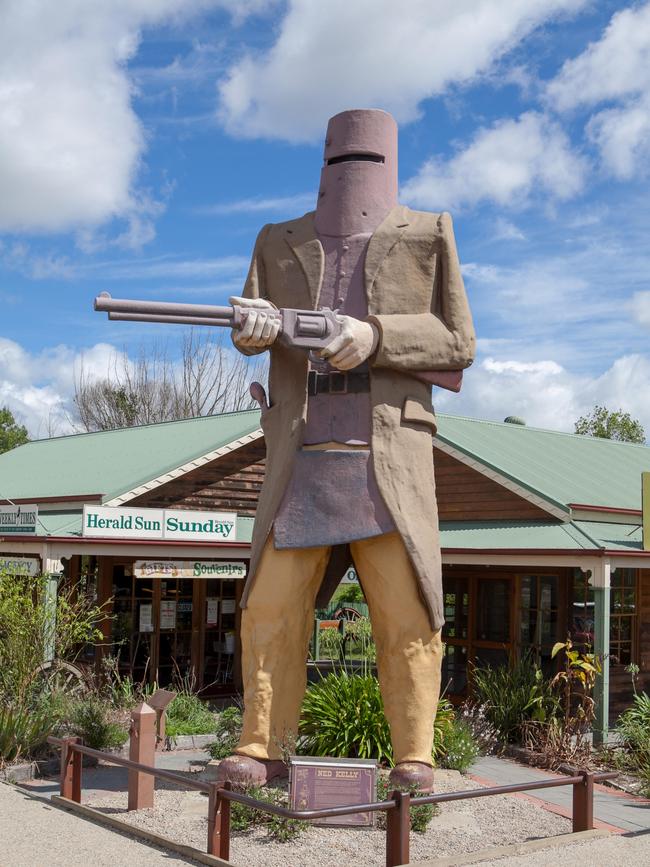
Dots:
pixel 36 834
pixel 625 812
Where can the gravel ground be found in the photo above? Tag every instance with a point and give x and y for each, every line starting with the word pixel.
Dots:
pixel 33 833
pixel 462 826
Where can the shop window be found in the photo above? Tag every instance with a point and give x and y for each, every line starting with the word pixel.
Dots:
pixel 582 612
pixel 538 624
pixel 623 616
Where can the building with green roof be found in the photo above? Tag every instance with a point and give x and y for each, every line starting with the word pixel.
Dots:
pixel 541 536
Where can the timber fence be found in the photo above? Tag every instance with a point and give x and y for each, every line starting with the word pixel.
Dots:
pixel 397 807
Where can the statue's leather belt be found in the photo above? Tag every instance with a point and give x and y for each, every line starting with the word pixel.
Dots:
pixel 337 382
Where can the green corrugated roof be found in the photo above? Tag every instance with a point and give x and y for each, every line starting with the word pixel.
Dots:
pixel 113 462
pixel 563 468
pixel 467 536
pixel 540 535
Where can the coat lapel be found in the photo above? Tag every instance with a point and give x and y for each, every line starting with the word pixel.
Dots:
pixel 308 250
pixel 383 240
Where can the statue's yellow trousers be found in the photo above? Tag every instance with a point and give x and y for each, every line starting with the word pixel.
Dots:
pixel 275 631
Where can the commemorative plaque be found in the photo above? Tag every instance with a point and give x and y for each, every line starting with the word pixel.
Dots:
pixel 317 783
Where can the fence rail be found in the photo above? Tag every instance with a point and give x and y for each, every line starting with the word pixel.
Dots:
pixel 397 807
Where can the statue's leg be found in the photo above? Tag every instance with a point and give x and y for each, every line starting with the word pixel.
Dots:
pixel 275 630
pixel 409 652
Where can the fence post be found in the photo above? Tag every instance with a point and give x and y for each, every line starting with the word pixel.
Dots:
pixel 142 749
pixel 398 827
pixel 71 764
pixel 219 821
pixel 583 802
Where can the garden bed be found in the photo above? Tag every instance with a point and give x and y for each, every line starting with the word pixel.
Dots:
pixel 460 827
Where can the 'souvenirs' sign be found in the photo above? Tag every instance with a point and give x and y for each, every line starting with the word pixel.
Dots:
pixel 106 522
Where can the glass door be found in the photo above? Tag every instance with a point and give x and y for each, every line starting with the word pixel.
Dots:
pixel 538 627
pixel 175 617
pixel 478 627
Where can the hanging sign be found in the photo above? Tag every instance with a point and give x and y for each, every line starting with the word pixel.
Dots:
pixel 18 520
pixel 19 566
pixel 225 569
pixel 106 522
pixel 645 505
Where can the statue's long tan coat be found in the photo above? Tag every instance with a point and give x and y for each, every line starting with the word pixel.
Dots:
pixel 417 300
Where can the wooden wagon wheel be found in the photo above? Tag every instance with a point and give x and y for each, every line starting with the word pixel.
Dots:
pixel 60 676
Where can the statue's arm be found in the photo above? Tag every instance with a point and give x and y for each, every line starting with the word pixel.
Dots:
pixel 442 339
pixel 254 287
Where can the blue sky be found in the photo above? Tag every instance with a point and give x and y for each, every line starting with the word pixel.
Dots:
pixel 143 143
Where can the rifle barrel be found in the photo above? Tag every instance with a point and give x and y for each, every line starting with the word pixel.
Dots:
pixel 105 304
pixel 176 320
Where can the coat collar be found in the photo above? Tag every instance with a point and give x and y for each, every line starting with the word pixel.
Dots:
pixel 301 236
pixel 383 240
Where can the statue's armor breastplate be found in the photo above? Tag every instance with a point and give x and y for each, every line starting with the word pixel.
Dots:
pixel 341 418
pixel 332 497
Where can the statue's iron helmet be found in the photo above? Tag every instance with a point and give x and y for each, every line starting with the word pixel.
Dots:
pixel 359 175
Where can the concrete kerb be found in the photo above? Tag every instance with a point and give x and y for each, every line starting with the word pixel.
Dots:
pixel 140 833
pixel 495 852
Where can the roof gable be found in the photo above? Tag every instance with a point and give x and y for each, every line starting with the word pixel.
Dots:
pixel 559 467
pixel 111 463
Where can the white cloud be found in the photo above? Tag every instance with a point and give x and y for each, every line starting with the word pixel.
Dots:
pixel 622 136
pixel 506 163
pixel 641 307
pixel 71 144
pixel 282 204
pixel 38 387
pixel 505 230
pixel 547 395
pixel 616 68
pixel 336 55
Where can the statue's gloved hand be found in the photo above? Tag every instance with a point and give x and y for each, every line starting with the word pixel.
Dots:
pixel 262 323
pixel 356 342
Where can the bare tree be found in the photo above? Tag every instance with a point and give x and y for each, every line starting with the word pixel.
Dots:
pixel 209 377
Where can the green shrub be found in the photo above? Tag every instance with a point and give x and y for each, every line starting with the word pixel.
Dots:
pixel 343 715
pixel 421 814
pixel 228 730
pixel 188 715
pixel 459 748
pixel 634 725
pixel 243 818
pixel 23 732
pixel 91 720
pixel 514 696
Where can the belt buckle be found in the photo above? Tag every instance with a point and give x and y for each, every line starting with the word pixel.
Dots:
pixel 338 382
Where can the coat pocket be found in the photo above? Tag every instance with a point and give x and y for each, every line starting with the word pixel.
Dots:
pixel 414 412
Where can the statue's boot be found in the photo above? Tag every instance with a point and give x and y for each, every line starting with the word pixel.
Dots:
pixel 244 771
pixel 412 776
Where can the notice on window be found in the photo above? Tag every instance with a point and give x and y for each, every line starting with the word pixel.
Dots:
pixel 146 620
pixel 228 606
pixel 167 614
pixel 213 611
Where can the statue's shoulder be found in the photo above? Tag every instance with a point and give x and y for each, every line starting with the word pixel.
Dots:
pixel 298 226
pixel 428 221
